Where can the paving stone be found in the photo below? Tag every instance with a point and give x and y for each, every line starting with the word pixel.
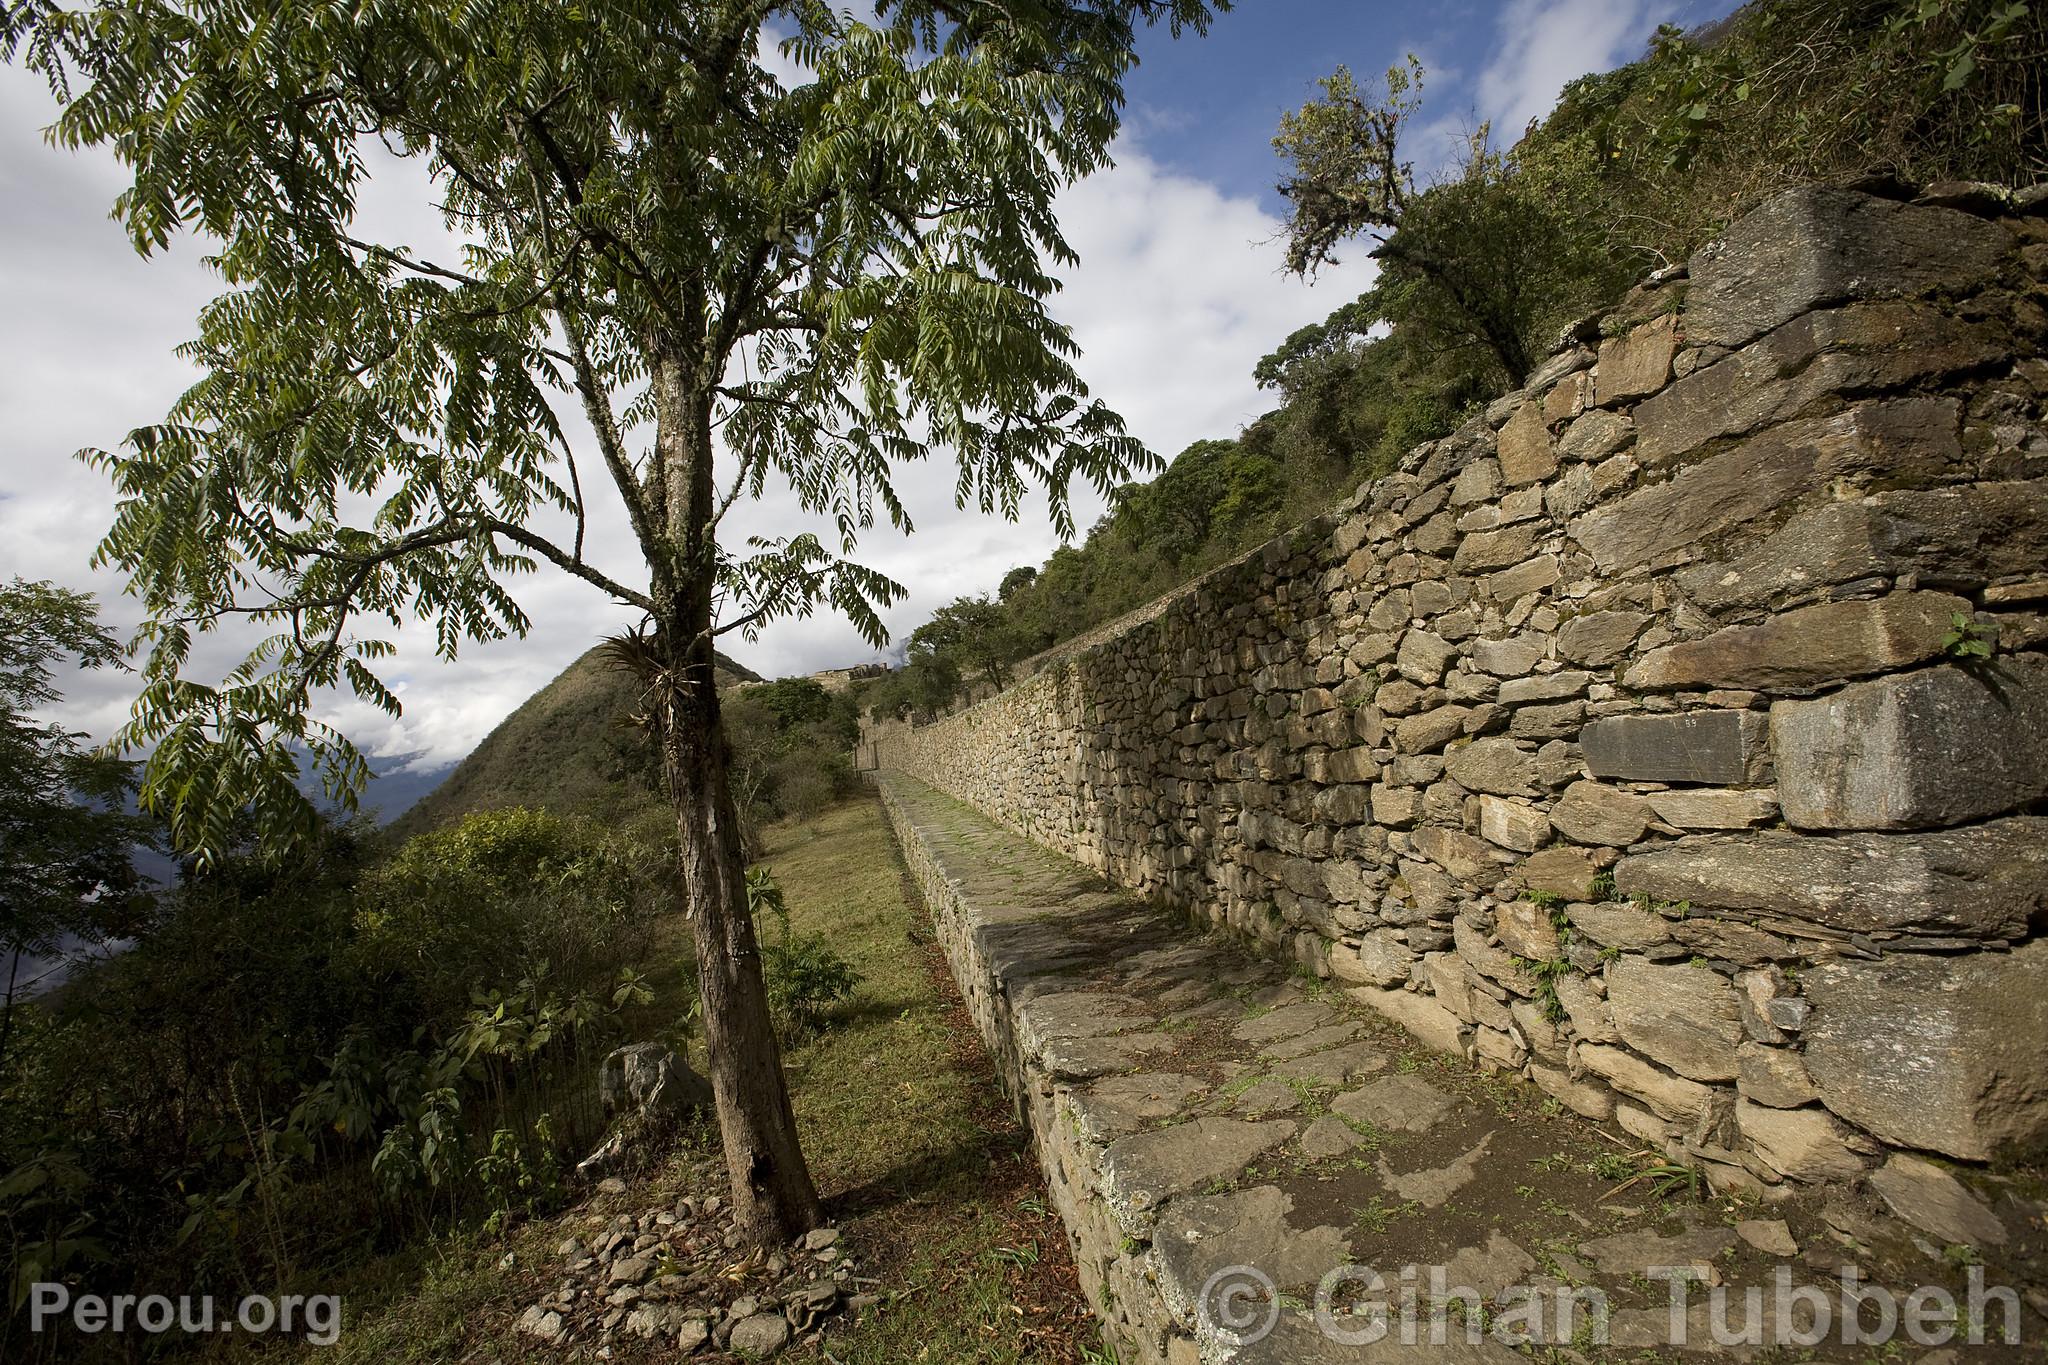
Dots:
pixel 1399 1104
pixel 1270 1096
pixel 1289 1021
pixel 1768 1235
pixel 1640 1250
pixel 1198 1236
pixel 1432 1188
pixel 1335 1066
pixel 1147 1168
pixel 1082 1058
pixel 1328 1136
pixel 1489 1269
pixel 1314 1041
pixel 1123 1104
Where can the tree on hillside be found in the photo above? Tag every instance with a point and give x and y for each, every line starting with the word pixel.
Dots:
pixel 735 281
pixel 1483 261
pixel 67 843
pixel 974 633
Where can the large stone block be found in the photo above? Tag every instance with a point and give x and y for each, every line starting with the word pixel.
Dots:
pixel 1667 522
pixel 1984 882
pixel 1917 750
pixel 1816 245
pixel 1948 1055
pixel 1956 536
pixel 1526 455
pixel 1599 637
pixel 1720 747
pixel 1636 363
pixel 1497 765
pixel 1591 813
pixel 1808 647
pixel 1688 1018
pixel 1805 1144
pixel 1862 348
pixel 1673 1097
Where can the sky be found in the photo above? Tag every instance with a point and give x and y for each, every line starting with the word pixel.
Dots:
pixel 1179 292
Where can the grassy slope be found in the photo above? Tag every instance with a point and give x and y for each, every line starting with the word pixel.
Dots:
pixel 556 752
pixel 913 1148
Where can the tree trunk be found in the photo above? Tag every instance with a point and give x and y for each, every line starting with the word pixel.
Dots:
pixel 773 1197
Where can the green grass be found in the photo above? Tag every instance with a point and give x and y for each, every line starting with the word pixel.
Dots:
pixel 913 1148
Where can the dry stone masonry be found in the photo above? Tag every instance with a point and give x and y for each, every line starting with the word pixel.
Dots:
pixel 1675 734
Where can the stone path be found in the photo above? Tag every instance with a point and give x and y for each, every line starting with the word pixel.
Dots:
pixel 1220 1134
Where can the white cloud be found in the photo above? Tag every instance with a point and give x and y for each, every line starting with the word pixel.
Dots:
pixel 1178 294
pixel 1545 44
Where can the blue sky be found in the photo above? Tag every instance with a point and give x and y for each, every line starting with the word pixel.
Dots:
pixel 1208 108
pixel 1178 294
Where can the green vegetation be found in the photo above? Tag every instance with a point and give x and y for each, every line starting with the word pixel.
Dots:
pixel 304 1064
pixel 906 1133
pixel 66 864
pixel 741 281
pixel 1483 268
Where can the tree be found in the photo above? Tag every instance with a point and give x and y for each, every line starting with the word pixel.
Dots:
pixel 809 285
pixel 1489 258
pixel 67 843
pixel 971 632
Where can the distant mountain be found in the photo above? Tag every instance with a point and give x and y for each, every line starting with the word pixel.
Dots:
pixel 564 749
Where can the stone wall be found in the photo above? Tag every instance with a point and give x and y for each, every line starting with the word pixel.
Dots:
pixel 1675 734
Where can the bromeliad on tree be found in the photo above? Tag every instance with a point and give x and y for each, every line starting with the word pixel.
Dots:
pixel 734 280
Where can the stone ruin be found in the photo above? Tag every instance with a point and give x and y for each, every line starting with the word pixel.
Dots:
pixel 1673 735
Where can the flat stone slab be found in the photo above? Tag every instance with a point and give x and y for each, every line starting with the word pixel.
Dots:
pixel 1314 1041
pixel 1083 1058
pixel 1288 1021
pixel 1124 1104
pixel 1431 1188
pixel 1936 1202
pixel 1639 1252
pixel 1146 1168
pixel 1085 1014
pixel 1199 1236
pixel 1401 1104
pixel 1334 1066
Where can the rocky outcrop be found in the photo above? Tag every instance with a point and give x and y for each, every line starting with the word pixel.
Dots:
pixel 1670 734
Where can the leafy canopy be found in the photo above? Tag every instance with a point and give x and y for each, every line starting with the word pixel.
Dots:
pixel 66 843
pixel 663 241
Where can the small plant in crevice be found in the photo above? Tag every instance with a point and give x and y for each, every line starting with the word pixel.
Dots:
pixel 1968 639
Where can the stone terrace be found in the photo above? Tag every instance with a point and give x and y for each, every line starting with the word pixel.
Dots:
pixel 1196 1109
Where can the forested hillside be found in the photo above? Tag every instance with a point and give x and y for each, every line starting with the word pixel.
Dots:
pixel 1482 266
